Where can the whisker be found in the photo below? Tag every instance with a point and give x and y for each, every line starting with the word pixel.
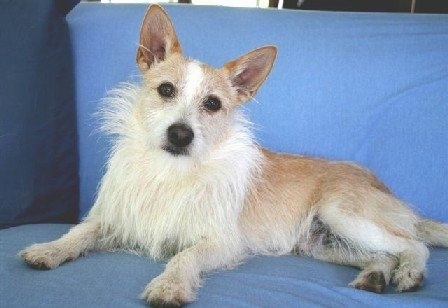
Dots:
pixel 254 99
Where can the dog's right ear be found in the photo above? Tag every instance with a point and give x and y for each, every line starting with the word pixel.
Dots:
pixel 158 39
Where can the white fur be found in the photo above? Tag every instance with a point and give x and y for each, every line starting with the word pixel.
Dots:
pixel 181 200
pixel 194 79
pixel 371 235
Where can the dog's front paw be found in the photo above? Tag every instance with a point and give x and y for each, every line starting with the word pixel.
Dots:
pixel 43 256
pixel 168 291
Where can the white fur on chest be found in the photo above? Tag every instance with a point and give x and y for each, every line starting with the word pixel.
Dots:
pixel 159 213
pixel 159 204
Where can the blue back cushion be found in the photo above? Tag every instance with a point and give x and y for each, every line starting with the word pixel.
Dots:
pixel 370 88
pixel 38 139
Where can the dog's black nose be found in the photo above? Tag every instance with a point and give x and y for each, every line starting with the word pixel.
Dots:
pixel 180 135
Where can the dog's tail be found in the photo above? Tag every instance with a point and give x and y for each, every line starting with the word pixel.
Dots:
pixel 432 232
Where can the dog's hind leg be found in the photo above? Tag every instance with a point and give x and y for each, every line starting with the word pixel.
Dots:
pixel 324 244
pixel 347 239
pixel 80 239
pixel 408 276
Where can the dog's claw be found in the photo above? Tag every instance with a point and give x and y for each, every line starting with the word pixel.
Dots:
pixel 158 303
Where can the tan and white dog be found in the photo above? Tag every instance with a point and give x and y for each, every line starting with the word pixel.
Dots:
pixel 186 180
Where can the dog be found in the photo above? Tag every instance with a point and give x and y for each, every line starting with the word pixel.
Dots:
pixel 186 182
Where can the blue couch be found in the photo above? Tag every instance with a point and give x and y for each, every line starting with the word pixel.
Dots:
pixel 371 88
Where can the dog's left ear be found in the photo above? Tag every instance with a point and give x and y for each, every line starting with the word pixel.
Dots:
pixel 248 72
pixel 158 39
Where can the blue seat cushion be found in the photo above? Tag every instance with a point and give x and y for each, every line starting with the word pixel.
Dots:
pixel 38 139
pixel 115 279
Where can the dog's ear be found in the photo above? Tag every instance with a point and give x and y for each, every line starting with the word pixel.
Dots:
pixel 158 39
pixel 248 72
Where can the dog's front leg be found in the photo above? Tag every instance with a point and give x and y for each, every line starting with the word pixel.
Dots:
pixel 177 285
pixel 80 239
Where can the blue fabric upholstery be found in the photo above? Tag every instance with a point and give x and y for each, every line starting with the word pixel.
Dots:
pixel 38 137
pixel 115 279
pixel 354 86
pixel 364 87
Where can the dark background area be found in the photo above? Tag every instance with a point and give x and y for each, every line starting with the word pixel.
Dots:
pixel 410 6
pixel 416 6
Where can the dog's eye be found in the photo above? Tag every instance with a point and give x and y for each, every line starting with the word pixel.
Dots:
pixel 212 103
pixel 166 89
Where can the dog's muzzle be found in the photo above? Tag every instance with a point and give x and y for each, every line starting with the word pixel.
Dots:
pixel 179 137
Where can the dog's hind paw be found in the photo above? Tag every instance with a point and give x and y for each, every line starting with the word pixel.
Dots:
pixel 43 256
pixel 408 279
pixel 167 292
pixel 373 281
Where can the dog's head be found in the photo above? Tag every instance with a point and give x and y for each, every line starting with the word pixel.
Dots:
pixel 188 107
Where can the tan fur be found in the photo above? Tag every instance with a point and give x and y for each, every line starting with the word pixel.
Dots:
pixel 222 197
pixel 291 188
